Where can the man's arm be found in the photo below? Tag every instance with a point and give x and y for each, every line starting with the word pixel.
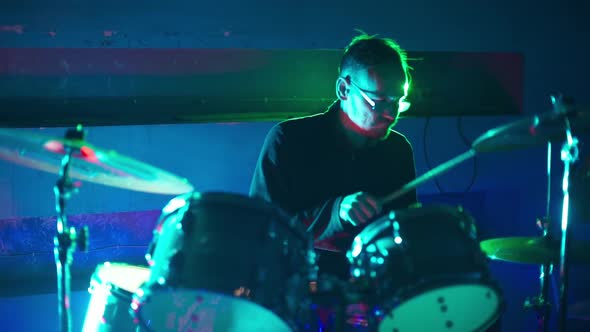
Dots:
pixel 409 174
pixel 411 199
pixel 273 181
pixel 405 169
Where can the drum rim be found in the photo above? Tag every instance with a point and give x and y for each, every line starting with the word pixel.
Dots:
pixel 195 199
pixel 447 209
pixel 114 287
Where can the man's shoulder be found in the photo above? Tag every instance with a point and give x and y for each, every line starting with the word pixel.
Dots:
pixel 301 125
pixel 308 124
pixel 294 132
pixel 397 138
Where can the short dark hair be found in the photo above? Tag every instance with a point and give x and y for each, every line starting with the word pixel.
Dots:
pixel 366 51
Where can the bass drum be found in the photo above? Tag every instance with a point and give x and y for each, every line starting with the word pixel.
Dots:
pixel 112 287
pixel 226 262
pixel 425 272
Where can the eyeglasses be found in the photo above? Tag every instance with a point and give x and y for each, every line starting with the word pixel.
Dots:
pixel 402 104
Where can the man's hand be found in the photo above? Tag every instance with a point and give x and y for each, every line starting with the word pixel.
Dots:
pixel 359 208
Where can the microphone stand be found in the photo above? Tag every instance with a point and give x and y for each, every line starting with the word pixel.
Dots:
pixel 541 303
pixel 66 237
pixel 569 155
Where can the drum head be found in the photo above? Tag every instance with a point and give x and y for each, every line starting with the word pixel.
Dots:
pixel 199 310
pixel 466 307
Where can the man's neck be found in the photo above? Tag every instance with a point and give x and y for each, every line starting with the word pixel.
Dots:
pixel 355 138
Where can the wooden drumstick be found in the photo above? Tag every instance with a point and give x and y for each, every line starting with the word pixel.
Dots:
pixel 427 176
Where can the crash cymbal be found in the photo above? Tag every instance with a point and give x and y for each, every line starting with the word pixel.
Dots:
pixel 533 130
pixel 88 163
pixel 533 250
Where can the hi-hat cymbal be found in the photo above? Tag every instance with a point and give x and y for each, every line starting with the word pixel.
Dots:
pixel 88 163
pixel 533 250
pixel 533 130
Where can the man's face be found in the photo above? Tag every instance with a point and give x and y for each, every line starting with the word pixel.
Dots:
pixel 373 99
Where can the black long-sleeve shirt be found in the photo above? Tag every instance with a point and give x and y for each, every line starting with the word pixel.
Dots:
pixel 306 167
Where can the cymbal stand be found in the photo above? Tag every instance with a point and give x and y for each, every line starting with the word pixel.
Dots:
pixel 66 237
pixel 569 155
pixel 541 303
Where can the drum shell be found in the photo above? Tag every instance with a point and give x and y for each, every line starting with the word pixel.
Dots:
pixel 424 258
pixel 437 242
pixel 233 245
pixel 112 287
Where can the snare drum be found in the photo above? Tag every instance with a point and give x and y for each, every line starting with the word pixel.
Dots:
pixel 226 262
pixel 111 287
pixel 426 272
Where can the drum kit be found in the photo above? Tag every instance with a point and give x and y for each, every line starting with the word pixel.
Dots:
pixel 228 262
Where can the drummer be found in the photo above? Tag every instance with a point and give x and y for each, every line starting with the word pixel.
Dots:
pixel 329 170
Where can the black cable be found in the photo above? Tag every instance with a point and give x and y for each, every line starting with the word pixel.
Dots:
pixel 468 143
pixel 424 139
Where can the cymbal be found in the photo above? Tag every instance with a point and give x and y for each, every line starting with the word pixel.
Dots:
pixel 88 163
pixel 532 131
pixel 533 250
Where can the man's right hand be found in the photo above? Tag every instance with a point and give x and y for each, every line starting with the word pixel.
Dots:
pixel 359 208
